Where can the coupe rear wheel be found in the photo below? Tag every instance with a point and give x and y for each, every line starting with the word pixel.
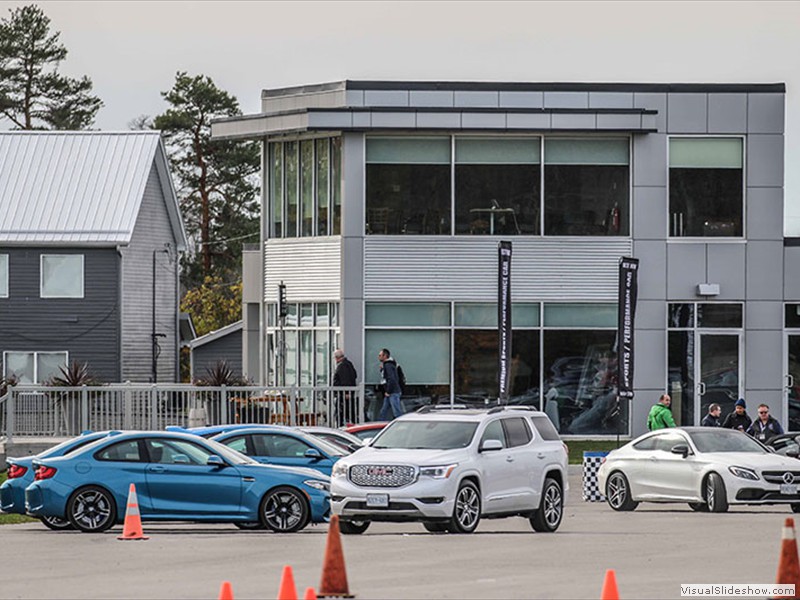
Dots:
pixel 92 509
pixel 698 506
pixel 353 527
pixel 435 526
pixel 551 508
pixel 716 496
pixel 467 509
pixel 284 510
pixel 618 492
pixel 56 523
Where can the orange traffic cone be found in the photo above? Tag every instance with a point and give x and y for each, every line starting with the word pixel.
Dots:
pixel 310 594
pixel 789 566
pixel 132 529
pixel 287 591
pixel 610 586
pixel 334 575
pixel 226 591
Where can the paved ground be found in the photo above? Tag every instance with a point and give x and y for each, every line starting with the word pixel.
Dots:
pixel 653 550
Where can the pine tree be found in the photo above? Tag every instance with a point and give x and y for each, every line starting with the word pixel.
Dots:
pixel 33 95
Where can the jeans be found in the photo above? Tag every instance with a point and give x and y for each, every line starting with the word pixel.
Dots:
pixel 392 401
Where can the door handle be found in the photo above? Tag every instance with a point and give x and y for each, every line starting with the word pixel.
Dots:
pixel 156 469
pixel 540 455
pixel 789 380
pixel 701 389
pixel 509 459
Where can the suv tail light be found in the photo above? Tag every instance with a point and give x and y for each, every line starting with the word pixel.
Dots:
pixel 15 471
pixel 44 473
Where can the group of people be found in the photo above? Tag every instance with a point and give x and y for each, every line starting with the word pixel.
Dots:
pixel 764 428
pixel 345 375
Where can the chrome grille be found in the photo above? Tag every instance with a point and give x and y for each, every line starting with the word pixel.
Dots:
pixel 390 476
pixel 777 476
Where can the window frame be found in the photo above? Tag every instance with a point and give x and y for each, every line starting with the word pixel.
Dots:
pixel 35 354
pixel 55 296
pixel 5 276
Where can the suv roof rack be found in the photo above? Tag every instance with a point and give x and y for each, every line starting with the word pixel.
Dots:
pixel 432 407
pixel 498 409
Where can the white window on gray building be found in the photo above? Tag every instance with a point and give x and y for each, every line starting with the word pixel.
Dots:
pixel 33 367
pixel 3 275
pixel 61 276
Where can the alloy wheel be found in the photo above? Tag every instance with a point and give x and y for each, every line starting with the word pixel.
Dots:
pixel 284 510
pixel 92 510
pixel 552 506
pixel 467 507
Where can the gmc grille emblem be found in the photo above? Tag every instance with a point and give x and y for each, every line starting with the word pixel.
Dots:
pixel 380 471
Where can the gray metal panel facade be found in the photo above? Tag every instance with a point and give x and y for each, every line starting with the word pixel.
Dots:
pixel 152 233
pixel 227 348
pixel 87 328
pixel 310 268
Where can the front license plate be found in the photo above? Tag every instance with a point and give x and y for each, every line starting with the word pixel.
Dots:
pixel 377 500
pixel 789 488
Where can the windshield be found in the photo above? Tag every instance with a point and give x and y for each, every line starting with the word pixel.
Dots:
pixel 726 441
pixel 428 435
pixel 232 456
pixel 327 447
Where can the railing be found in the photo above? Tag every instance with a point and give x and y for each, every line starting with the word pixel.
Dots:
pixel 48 411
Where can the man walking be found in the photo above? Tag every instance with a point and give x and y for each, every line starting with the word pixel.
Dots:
pixel 390 383
pixel 712 418
pixel 765 427
pixel 344 376
pixel 660 416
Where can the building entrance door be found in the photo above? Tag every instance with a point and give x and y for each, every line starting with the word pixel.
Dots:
pixel 792 411
pixel 718 372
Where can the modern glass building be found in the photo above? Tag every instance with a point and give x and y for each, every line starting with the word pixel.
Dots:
pixel 384 203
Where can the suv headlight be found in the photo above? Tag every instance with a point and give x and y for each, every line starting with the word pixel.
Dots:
pixel 339 470
pixel 744 473
pixel 438 472
pixel 322 486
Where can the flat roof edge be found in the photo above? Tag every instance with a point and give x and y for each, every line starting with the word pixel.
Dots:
pixel 565 87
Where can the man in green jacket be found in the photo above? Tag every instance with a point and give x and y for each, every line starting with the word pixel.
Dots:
pixel 660 416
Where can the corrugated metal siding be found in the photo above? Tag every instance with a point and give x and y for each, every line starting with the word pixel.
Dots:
pixel 87 328
pixel 454 268
pixel 72 187
pixel 227 348
pixel 151 233
pixel 310 268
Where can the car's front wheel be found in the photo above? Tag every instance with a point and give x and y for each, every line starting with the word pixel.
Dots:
pixel 284 510
pixel 467 509
pixel 551 508
pixel 56 523
pixel 716 496
pixel 618 492
pixel 353 527
pixel 92 509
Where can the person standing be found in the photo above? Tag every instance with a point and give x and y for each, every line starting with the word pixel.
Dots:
pixel 345 375
pixel 660 416
pixel 738 419
pixel 390 383
pixel 712 418
pixel 765 427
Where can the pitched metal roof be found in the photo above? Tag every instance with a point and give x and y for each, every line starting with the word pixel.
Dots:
pixel 216 334
pixel 67 187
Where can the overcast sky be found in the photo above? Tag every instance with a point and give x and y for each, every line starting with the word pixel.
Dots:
pixel 132 50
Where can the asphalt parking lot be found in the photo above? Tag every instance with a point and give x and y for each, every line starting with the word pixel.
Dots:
pixel 653 550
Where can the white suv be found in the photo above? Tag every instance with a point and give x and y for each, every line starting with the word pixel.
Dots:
pixel 448 468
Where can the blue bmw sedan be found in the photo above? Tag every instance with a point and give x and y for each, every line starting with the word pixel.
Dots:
pixel 178 477
pixel 20 476
pixel 283 446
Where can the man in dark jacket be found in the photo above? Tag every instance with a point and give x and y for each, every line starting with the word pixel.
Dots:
pixel 712 418
pixel 738 419
pixel 765 427
pixel 390 383
pixel 344 376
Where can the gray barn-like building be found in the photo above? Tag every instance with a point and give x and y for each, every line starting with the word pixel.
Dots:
pixel 384 203
pixel 90 235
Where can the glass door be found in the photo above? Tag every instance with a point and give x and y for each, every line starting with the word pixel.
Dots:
pixel 718 372
pixel 793 381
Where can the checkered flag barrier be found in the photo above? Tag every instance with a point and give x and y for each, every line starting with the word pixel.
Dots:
pixel 591 464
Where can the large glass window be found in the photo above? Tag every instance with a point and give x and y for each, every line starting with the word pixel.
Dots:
pixel 408 185
pixel 62 276
pixel 276 188
pixel 336 184
pixel 586 189
pixel 497 186
pixel 291 170
pixel 307 188
pixel 323 166
pixel 3 275
pixel 408 313
pixel 33 367
pixel 706 182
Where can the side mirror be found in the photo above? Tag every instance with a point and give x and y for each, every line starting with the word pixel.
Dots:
pixel 313 454
pixel 681 449
pixel 216 461
pixel 491 445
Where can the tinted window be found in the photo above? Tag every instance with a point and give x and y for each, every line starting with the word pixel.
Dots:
pixel 517 432
pixel 647 443
pixel 237 443
pixel 282 446
pixel 726 441
pixel 668 441
pixel 545 428
pixel 176 452
pixel 127 451
pixel 494 431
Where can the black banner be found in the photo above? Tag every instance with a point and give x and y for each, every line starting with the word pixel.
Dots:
pixel 504 319
pixel 628 288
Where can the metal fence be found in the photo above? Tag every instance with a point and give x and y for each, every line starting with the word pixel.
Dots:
pixel 48 411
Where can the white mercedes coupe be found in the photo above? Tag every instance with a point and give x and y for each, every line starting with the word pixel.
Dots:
pixel 710 468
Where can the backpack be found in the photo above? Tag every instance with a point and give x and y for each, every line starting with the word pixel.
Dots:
pixel 401 379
